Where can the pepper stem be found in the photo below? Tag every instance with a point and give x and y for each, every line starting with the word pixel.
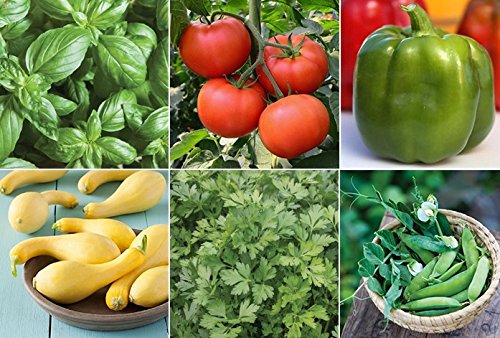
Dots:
pixel 421 24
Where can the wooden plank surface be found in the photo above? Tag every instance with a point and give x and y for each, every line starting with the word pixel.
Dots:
pixel 18 313
pixel 365 320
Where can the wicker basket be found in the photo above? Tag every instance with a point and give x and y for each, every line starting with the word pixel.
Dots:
pixel 460 318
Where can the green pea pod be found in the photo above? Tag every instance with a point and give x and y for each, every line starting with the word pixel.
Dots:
pixel 425 255
pixel 461 296
pixel 420 280
pixel 479 280
pixel 431 303
pixel 469 248
pixel 444 262
pixel 449 288
pixel 451 272
pixel 435 313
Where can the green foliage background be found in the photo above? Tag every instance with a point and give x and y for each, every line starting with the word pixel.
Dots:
pixel 199 149
pixel 254 254
pixel 470 192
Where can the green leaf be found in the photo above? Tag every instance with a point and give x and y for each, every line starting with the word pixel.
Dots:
pixel 13 11
pixel 387 239
pixel 44 119
pixel 57 53
pixel 103 14
pixel 11 125
pixel 116 151
pixel 61 105
pixel 155 126
pixel 94 129
pixel 70 146
pixel 16 163
pixel 11 73
pixel 179 20
pixel 444 224
pixel 159 74
pixel 366 268
pixel 121 60
pixel 162 15
pixel 187 142
pixel 247 312
pixel 143 36
pixel 92 158
pixel 111 110
pixel 15 30
pixel 57 9
pixel 374 253
pixel 375 286
pixel 428 243
pixel 261 292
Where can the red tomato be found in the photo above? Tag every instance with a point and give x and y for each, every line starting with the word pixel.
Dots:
pixel 303 73
pixel 217 49
pixel 228 111
pixel 294 125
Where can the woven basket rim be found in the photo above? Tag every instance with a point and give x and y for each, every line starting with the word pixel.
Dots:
pixel 425 324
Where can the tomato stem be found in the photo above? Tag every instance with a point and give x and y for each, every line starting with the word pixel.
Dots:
pixel 260 58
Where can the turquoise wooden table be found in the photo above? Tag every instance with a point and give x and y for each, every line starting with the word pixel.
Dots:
pixel 20 316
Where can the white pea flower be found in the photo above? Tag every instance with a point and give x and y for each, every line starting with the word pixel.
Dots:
pixel 427 211
pixel 415 267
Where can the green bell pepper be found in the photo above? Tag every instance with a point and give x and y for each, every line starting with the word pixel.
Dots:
pixel 421 95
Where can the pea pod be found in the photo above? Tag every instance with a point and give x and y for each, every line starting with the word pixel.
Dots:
pixel 450 273
pixel 479 280
pixel 461 296
pixel 469 248
pixel 431 303
pixel 425 255
pixel 435 313
pixel 420 280
pixel 444 262
pixel 449 288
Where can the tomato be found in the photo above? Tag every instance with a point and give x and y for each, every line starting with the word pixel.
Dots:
pixel 228 111
pixel 217 49
pixel 294 125
pixel 303 73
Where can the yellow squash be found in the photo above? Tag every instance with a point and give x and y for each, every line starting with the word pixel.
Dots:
pixel 68 282
pixel 93 179
pixel 18 178
pixel 83 247
pixel 151 287
pixel 119 232
pixel 29 211
pixel 117 296
pixel 138 192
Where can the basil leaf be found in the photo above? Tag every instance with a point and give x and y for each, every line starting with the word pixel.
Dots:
pixel 158 76
pixel 13 11
pixel 16 163
pixel 77 91
pixel 162 15
pixel 134 114
pixel 11 125
pixel 143 36
pixel 44 119
pixel 11 73
pixel 105 13
pixel 111 110
pixel 61 105
pixel 116 151
pixel 71 145
pixel 57 9
pixel 121 60
pixel 92 158
pixel 93 130
pixel 58 52
pixel 155 126
pixel 16 29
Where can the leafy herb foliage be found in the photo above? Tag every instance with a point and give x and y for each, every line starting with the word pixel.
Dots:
pixel 254 254
pixel 83 83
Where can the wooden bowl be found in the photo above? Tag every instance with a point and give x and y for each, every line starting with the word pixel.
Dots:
pixel 458 319
pixel 91 313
